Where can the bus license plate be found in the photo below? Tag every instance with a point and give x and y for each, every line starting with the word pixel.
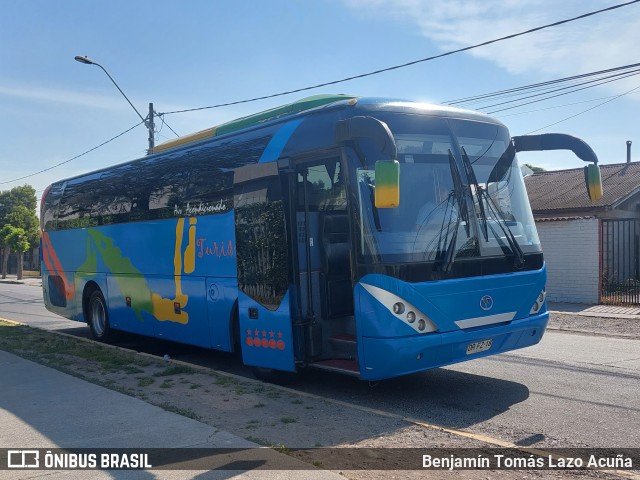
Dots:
pixel 479 346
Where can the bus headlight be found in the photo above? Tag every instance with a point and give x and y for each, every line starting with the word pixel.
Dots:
pixel 539 303
pixel 398 306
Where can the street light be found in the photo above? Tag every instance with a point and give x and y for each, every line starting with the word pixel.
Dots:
pixel 148 122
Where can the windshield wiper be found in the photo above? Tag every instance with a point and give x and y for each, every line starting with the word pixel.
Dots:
pixel 473 181
pixel 511 239
pixel 449 253
pixel 458 191
pixel 372 199
pixel 463 214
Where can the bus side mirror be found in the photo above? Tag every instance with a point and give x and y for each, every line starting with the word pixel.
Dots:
pixel 387 172
pixel 561 141
pixel 594 182
pixel 387 191
pixel 368 127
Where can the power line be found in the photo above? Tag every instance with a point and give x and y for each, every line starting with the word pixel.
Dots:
pixel 414 62
pixel 549 87
pixel 548 97
pixel 71 159
pixel 585 111
pixel 161 117
pixel 556 106
pixel 500 93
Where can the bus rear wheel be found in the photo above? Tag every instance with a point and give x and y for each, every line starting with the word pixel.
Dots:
pixel 99 318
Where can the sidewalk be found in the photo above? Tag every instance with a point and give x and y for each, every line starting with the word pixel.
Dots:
pixel 44 408
pixel 588 310
pixel 35 281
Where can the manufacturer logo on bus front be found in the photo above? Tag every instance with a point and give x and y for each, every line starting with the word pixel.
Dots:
pixel 486 302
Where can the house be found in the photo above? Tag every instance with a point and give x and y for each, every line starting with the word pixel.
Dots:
pixel 592 249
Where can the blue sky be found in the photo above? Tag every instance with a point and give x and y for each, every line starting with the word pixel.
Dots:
pixel 194 53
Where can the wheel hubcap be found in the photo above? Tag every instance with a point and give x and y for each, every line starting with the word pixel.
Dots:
pixel 98 317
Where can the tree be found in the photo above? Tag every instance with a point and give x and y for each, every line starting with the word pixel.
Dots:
pixel 4 233
pixel 18 209
pixel 9 199
pixel 16 240
pixel 534 168
pixel 22 217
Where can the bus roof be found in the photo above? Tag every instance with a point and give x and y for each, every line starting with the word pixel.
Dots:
pixel 306 105
pixel 255 119
pixel 316 101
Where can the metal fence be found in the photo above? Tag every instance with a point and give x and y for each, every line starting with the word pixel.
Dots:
pixel 30 262
pixel 620 262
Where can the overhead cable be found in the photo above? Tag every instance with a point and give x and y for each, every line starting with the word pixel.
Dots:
pixel 71 159
pixel 585 111
pixel 500 93
pixel 414 62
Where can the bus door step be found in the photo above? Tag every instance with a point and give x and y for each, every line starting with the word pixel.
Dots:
pixel 349 367
pixel 344 346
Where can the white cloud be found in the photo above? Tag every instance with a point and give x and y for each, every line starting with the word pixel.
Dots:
pixel 60 96
pixel 602 41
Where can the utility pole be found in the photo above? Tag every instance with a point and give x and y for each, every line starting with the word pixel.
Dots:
pixel 150 125
pixel 148 122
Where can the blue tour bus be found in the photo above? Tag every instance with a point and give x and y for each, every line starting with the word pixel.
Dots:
pixel 366 236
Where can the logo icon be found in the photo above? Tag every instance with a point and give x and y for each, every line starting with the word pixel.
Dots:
pixel 486 303
pixel 23 459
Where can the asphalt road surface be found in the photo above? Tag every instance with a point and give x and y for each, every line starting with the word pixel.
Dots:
pixel 571 390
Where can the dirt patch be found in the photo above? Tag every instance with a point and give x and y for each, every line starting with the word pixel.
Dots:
pixel 262 413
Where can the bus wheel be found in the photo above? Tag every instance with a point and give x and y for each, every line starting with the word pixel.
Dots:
pixel 278 377
pixel 99 318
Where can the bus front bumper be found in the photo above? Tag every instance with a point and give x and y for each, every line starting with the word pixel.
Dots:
pixel 382 358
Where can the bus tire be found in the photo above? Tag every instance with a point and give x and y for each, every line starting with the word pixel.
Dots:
pixel 277 377
pixel 98 318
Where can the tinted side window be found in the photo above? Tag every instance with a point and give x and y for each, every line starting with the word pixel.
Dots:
pixel 76 205
pixel 113 201
pixel 261 245
pixel 188 183
pixel 49 207
pixel 206 184
pixel 184 187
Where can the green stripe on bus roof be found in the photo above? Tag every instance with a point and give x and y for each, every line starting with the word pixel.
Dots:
pixel 290 109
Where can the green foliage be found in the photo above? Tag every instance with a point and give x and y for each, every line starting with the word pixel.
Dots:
pixel 18 210
pixel 25 219
pixel 15 239
pixel 4 233
pixel 24 196
pixel 534 168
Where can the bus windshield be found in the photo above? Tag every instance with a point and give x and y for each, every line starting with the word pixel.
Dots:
pixel 444 213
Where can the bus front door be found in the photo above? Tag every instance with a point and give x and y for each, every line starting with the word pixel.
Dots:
pixel 322 235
